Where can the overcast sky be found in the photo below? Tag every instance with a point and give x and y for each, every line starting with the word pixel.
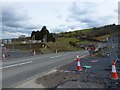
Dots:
pixel 21 17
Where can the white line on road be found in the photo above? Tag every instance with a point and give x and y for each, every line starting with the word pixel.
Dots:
pixel 66 54
pixel 16 64
pixel 56 56
pixel 83 56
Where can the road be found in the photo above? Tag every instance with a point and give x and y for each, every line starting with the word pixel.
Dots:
pixel 18 70
pixel 97 76
pixel 11 54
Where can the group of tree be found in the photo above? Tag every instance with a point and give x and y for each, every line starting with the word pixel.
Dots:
pixel 42 35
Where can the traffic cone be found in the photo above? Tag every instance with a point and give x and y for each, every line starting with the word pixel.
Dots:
pixel 78 58
pixel 4 56
pixel 78 66
pixel 34 53
pixel 114 73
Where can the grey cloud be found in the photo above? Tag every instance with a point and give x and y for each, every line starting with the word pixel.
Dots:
pixel 13 14
pixel 16 20
pixel 87 12
pixel 76 10
pixel 8 34
pixel 32 26
pixel 10 15
pixel 59 28
pixel 59 16
pixel 13 29
pixel 80 13
pixel 72 27
pixel 80 18
pixel 16 17
pixel 12 24
pixel 63 28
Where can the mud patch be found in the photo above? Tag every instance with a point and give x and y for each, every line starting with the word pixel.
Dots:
pixel 51 80
pixel 63 79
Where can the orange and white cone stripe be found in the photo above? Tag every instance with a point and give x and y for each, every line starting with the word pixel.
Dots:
pixel 78 66
pixel 114 73
pixel 78 58
pixel 4 56
pixel 34 53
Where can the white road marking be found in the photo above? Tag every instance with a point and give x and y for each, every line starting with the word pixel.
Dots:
pixel 65 54
pixel 16 64
pixel 83 56
pixel 56 56
pixel 32 61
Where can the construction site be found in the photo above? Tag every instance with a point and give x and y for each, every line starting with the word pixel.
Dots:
pixel 88 71
pixel 54 44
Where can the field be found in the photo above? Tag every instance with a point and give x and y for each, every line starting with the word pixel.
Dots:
pixel 61 44
pixel 67 41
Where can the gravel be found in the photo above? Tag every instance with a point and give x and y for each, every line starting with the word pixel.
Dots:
pixel 99 76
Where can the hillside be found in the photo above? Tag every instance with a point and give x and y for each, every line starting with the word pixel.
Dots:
pixel 98 33
pixel 68 41
pixel 61 44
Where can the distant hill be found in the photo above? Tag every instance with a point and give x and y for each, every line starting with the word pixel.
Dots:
pixel 98 33
pixel 105 30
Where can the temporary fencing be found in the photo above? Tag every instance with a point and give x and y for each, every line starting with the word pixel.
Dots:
pixel 114 49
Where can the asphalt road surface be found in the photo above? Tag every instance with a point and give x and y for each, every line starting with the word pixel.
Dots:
pixel 18 70
pixel 11 54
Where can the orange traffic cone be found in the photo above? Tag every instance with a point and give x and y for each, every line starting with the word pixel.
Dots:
pixel 78 66
pixel 34 53
pixel 4 56
pixel 114 73
pixel 78 58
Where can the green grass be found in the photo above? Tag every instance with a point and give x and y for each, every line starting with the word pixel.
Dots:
pixel 84 31
pixel 66 39
pixel 25 47
pixel 62 44
pixel 85 42
pixel 104 37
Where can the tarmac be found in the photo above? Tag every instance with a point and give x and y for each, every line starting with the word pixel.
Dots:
pixel 98 76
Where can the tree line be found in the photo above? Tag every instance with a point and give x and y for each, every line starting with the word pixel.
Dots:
pixel 42 35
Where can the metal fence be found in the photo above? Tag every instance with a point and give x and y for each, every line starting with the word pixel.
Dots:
pixel 114 47
pixel 113 44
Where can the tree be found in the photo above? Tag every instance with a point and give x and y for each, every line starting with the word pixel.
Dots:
pixel 38 35
pixel 44 31
pixel 51 38
pixel 33 34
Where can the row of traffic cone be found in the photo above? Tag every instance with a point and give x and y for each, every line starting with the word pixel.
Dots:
pixel 114 73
